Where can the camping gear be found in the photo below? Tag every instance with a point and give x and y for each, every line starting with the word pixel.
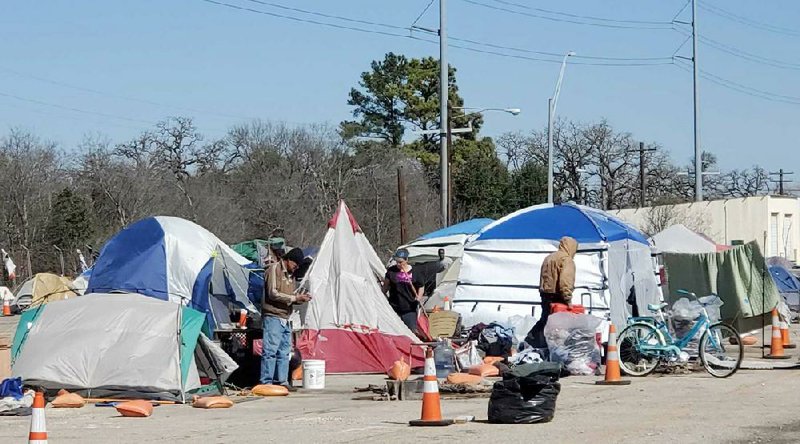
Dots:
pixel 501 265
pixel 11 387
pixel 788 284
pixel 526 395
pixel 572 340
pixel 313 374
pixel 349 323
pixel 10 405
pixel 135 409
pixel 443 324
pixel 118 345
pixel 270 390
pixel 679 239
pixel 739 276
pixel 41 289
pixel 496 340
pixel 175 260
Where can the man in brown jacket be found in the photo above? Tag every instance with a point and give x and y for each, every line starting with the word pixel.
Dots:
pixel 556 283
pixel 276 307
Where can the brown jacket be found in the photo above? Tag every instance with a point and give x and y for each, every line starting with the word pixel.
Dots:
pixel 558 271
pixel 278 291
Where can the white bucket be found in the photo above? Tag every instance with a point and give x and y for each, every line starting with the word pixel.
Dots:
pixel 314 374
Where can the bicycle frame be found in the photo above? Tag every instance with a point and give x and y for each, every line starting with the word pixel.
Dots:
pixel 673 346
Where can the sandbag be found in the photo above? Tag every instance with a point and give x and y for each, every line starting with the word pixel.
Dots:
pixel 68 400
pixel 297 374
pixel 484 370
pixel 400 371
pixel 527 395
pixel 463 378
pixel 270 390
pixel 493 359
pixel 135 409
pixel 212 402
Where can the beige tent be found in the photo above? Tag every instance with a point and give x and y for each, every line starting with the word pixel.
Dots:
pixel 43 288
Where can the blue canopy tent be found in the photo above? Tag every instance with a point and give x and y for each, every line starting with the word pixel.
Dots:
pixel 788 285
pixel 500 268
pixel 451 239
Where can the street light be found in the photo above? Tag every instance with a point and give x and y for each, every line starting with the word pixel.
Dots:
pixel 551 110
pixel 512 111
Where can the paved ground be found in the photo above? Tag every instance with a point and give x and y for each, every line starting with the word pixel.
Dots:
pixel 752 406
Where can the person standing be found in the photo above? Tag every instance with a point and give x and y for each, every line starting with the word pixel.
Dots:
pixel 556 283
pixel 404 294
pixel 276 307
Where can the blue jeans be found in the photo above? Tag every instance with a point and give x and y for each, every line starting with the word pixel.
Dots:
pixel 275 351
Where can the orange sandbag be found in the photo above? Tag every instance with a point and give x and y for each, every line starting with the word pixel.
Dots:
pixel 212 402
pixel 400 371
pixel 492 359
pixel 68 400
pixel 270 390
pixel 484 370
pixel 297 374
pixel 135 409
pixel 463 378
pixel 749 340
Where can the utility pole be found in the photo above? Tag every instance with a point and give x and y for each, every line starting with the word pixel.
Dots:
pixel 781 180
pixel 698 161
pixel 642 175
pixel 443 121
pixel 402 201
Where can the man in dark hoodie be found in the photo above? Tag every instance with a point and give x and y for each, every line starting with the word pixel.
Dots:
pixel 556 283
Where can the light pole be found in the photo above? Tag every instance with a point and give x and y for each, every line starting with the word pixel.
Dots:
pixel 551 110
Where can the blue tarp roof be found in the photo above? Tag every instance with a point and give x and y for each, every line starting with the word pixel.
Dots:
pixel 471 226
pixel 553 222
pixel 786 281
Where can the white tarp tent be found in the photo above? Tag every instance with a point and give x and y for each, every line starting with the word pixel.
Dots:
pixel 500 268
pixel 117 344
pixel 679 239
pixel 349 322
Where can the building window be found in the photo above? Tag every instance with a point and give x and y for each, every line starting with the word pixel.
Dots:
pixel 773 235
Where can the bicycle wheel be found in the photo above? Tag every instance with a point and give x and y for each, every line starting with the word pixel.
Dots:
pixel 721 350
pixel 632 359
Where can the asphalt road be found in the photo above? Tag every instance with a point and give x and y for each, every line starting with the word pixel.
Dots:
pixel 751 406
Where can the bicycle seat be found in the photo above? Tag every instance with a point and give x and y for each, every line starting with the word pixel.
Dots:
pixel 656 307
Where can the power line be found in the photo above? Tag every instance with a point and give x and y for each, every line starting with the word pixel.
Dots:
pixel 748 21
pixel 330 16
pixel 69 108
pixel 612 61
pixel 736 52
pixel 738 87
pixel 430 3
pixel 576 19
pixel 115 96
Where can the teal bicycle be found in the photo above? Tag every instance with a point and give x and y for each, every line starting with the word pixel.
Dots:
pixel 647 342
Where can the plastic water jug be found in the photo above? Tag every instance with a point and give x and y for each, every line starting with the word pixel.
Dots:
pixel 444 357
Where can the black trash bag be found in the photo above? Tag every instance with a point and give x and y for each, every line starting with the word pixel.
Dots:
pixel 496 340
pixel 527 395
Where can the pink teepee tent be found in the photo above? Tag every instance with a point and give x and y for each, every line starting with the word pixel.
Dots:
pixel 349 322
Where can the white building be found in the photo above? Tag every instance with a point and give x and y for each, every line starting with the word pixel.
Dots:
pixel 772 221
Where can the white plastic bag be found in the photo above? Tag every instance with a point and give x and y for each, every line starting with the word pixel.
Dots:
pixel 684 314
pixel 521 325
pixel 572 340
pixel 467 355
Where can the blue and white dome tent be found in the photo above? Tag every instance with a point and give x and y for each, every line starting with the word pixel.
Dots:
pixel 500 268
pixel 176 260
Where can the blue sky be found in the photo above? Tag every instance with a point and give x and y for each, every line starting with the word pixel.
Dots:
pixel 126 65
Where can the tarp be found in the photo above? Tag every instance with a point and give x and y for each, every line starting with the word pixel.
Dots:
pixel 451 239
pixel 82 281
pixel 349 322
pixel 679 239
pixel 249 249
pixel 739 276
pixel 173 259
pixel 500 268
pixel 115 344
pixel 43 288
pixel 788 285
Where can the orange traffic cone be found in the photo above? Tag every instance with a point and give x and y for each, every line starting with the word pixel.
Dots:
pixel 38 434
pixel 776 343
pixel 431 404
pixel 6 307
pixel 786 335
pixel 612 361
